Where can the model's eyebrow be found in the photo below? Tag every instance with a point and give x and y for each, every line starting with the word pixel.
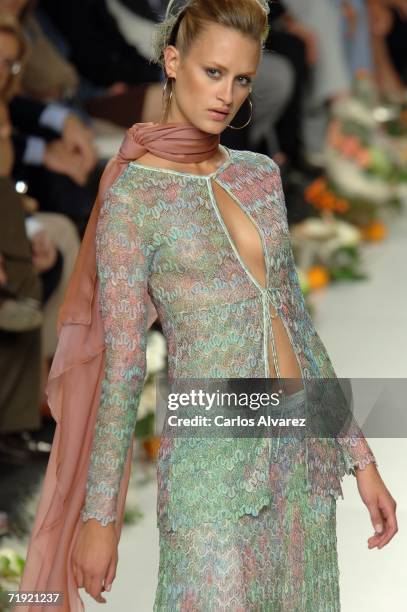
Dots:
pixel 226 70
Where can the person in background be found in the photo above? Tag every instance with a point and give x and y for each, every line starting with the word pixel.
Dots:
pixel 54 152
pixel 32 270
pixel 116 82
pixel 55 157
pixel 20 295
pixel 388 23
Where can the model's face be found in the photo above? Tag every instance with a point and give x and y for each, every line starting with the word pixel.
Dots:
pixel 9 51
pixel 216 74
pixel 14 7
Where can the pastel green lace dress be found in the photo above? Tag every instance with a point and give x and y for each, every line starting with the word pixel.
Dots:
pixel 241 529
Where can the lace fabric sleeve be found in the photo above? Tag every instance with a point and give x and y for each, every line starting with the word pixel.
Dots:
pixel 355 451
pixel 123 260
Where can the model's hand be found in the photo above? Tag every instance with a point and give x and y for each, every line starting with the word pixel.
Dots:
pixel 95 557
pixel 379 502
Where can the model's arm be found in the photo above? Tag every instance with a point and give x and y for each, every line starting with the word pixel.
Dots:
pixel 358 457
pixel 356 452
pixel 123 263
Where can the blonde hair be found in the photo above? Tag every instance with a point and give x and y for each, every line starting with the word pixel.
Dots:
pixel 249 17
pixel 10 25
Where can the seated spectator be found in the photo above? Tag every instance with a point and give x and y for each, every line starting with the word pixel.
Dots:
pixel 53 231
pixel 295 45
pixel 57 161
pixel 388 22
pixel 116 83
pixel 397 40
pixel 55 157
pixel 33 273
pixel 356 36
pixel 20 351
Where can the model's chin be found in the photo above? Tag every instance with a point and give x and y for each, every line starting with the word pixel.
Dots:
pixel 209 125
pixel 214 127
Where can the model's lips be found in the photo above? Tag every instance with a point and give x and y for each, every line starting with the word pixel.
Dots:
pixel 217 115
pixel 220 111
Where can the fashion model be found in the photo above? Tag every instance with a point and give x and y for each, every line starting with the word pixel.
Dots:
pixel 196 234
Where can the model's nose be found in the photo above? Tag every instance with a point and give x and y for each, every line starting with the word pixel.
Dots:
pixel 226 94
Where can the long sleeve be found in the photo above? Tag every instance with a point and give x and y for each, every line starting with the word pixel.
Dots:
pixel 123 263
pixel 356 452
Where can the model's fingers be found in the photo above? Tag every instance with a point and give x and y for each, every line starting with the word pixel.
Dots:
pixel 93 586
pixel 79 578
pixel 111 574
pixel 385 509
pixel 376 517
pixel 96 589
pixel 388 510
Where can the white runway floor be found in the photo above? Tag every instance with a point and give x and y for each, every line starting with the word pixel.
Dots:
pixel 364 327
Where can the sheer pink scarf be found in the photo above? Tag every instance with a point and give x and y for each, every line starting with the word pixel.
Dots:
pixel 74 383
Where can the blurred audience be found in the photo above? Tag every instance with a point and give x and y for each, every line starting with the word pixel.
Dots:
pixel 20 301
pixel 54 153
pixel 116 82
pixel 55 157
pixel 37 252
pixel 84 66
pixel 388 20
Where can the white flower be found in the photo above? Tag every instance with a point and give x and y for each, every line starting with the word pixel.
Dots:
pixel 352 109
pixel 316 239
pixel 156 352
pixel 354 182
pixel 314 228
pixel 347 234
pixel 148 399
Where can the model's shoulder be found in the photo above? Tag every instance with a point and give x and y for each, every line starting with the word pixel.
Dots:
pixel 254 160
pixel 128 184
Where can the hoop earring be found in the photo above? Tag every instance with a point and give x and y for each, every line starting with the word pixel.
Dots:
pixel 247 122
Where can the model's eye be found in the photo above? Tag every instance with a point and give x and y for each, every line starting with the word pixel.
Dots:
pixel 211 71
pixel 246 80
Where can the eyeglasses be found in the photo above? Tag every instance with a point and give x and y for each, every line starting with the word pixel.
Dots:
pixel 13 66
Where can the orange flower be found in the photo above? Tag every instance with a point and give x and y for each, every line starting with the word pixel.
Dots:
pixel 318 276
pixel 151 446
pixel 375 231
pixel 363 158
pixel 330 201
pixel 313 191
pixel 350 146
pixel 327 200
pixel 342 205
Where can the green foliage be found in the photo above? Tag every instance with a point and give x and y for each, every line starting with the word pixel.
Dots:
pixel 145 427
pixel 132 515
